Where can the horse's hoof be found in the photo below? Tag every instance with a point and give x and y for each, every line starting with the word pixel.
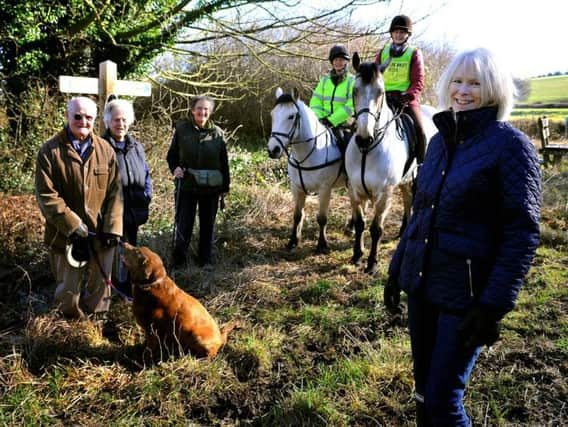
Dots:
pixel 291 246
pixel 357 261
pixel 371 269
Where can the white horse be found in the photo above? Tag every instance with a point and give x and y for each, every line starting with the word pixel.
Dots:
pixel 314 160
pixel 376 157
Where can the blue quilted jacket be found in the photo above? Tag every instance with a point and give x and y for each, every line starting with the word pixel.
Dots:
pixel 475 223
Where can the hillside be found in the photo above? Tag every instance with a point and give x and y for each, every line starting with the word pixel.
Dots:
pixel 549 90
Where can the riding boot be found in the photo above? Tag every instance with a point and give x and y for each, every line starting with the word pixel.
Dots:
pixel 420 146
pixel 339 139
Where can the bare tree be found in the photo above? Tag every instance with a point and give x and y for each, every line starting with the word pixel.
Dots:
pixel 240 57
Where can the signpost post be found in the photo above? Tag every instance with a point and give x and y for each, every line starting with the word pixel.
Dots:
pixel 105 85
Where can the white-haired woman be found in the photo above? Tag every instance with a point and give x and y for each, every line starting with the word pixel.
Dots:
pixel 135 174
pixel 472 235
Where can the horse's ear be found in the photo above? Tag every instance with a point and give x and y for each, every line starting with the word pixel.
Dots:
pixel 279 92
pixel 294 93
pixel 385 64
pixel 356 61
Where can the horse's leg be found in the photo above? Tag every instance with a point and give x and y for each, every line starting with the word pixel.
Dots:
pixel 381 211
pixel 300 201
pixel 407 197
pixel 324 197
pixel 359 223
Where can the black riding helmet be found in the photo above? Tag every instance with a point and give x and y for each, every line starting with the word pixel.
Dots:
pixel 401 22
pixel 338 51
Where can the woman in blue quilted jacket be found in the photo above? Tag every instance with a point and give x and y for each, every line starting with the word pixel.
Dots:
pixel 472 236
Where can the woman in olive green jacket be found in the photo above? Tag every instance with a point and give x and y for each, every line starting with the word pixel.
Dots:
pixel 198 160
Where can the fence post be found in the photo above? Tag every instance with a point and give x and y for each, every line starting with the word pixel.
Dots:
pixel 544 133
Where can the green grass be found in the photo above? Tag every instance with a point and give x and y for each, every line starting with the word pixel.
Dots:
pixel 316 346
pixel 545 90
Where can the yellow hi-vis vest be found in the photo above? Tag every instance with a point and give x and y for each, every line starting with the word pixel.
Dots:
pixel 333 102
pixel 397 74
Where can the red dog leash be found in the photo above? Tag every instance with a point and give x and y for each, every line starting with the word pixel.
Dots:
pixel 106 279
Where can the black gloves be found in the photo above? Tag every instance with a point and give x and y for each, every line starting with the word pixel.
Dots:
pixel 82 231
pixel 391 296
pixel 108 240
pixel 326 122
pixel 80 248
pixel 481 326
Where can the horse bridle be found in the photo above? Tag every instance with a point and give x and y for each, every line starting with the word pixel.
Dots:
pixel 378 135
pixel 297 164
pixel 378 131
pixel 296 125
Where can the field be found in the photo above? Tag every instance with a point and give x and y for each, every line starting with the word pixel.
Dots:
pixel 548 97
pixel 532 113
pixel 549 90
pixel 316 346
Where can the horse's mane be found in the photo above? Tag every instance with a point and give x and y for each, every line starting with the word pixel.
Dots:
pixel 367 71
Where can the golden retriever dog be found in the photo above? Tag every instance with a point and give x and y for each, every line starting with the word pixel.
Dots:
pixel 174 322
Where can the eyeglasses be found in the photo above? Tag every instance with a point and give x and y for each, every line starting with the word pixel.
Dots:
pixel 80 116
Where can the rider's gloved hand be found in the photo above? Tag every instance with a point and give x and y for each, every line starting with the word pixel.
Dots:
pixel 326 122
pixel 405 98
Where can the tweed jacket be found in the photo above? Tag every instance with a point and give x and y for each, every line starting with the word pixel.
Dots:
pixel 475 223
pixel 70 191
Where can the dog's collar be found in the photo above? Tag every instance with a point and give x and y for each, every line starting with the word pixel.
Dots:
pixel 148 284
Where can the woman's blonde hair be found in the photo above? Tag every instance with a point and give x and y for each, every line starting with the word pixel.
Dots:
pixel 497 85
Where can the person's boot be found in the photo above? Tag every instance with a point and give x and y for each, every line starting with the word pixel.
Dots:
pixel 420 146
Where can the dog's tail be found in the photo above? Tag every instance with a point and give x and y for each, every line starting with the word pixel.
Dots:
pixel 228 328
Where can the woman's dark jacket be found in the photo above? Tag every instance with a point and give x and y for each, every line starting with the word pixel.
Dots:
pixel 475 223
pixel 199 149
pixel 135 176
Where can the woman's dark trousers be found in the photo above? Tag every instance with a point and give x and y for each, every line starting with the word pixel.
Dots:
pixel 441 367
pixel 188 205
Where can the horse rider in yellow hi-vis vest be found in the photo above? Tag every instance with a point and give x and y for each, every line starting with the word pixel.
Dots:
pixel 404 76
pixel 332 100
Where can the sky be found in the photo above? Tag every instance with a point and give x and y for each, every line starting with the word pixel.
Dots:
pixel 531 36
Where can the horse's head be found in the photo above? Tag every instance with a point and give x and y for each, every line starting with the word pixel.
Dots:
pixel 285 123
pixel 368 95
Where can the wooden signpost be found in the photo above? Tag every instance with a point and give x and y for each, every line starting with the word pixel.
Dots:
pixel 105 85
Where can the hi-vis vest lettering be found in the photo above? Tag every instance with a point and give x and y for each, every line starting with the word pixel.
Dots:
pixel 397 74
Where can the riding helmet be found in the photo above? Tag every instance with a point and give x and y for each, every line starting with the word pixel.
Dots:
pixel 401 22
pixel 338 51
